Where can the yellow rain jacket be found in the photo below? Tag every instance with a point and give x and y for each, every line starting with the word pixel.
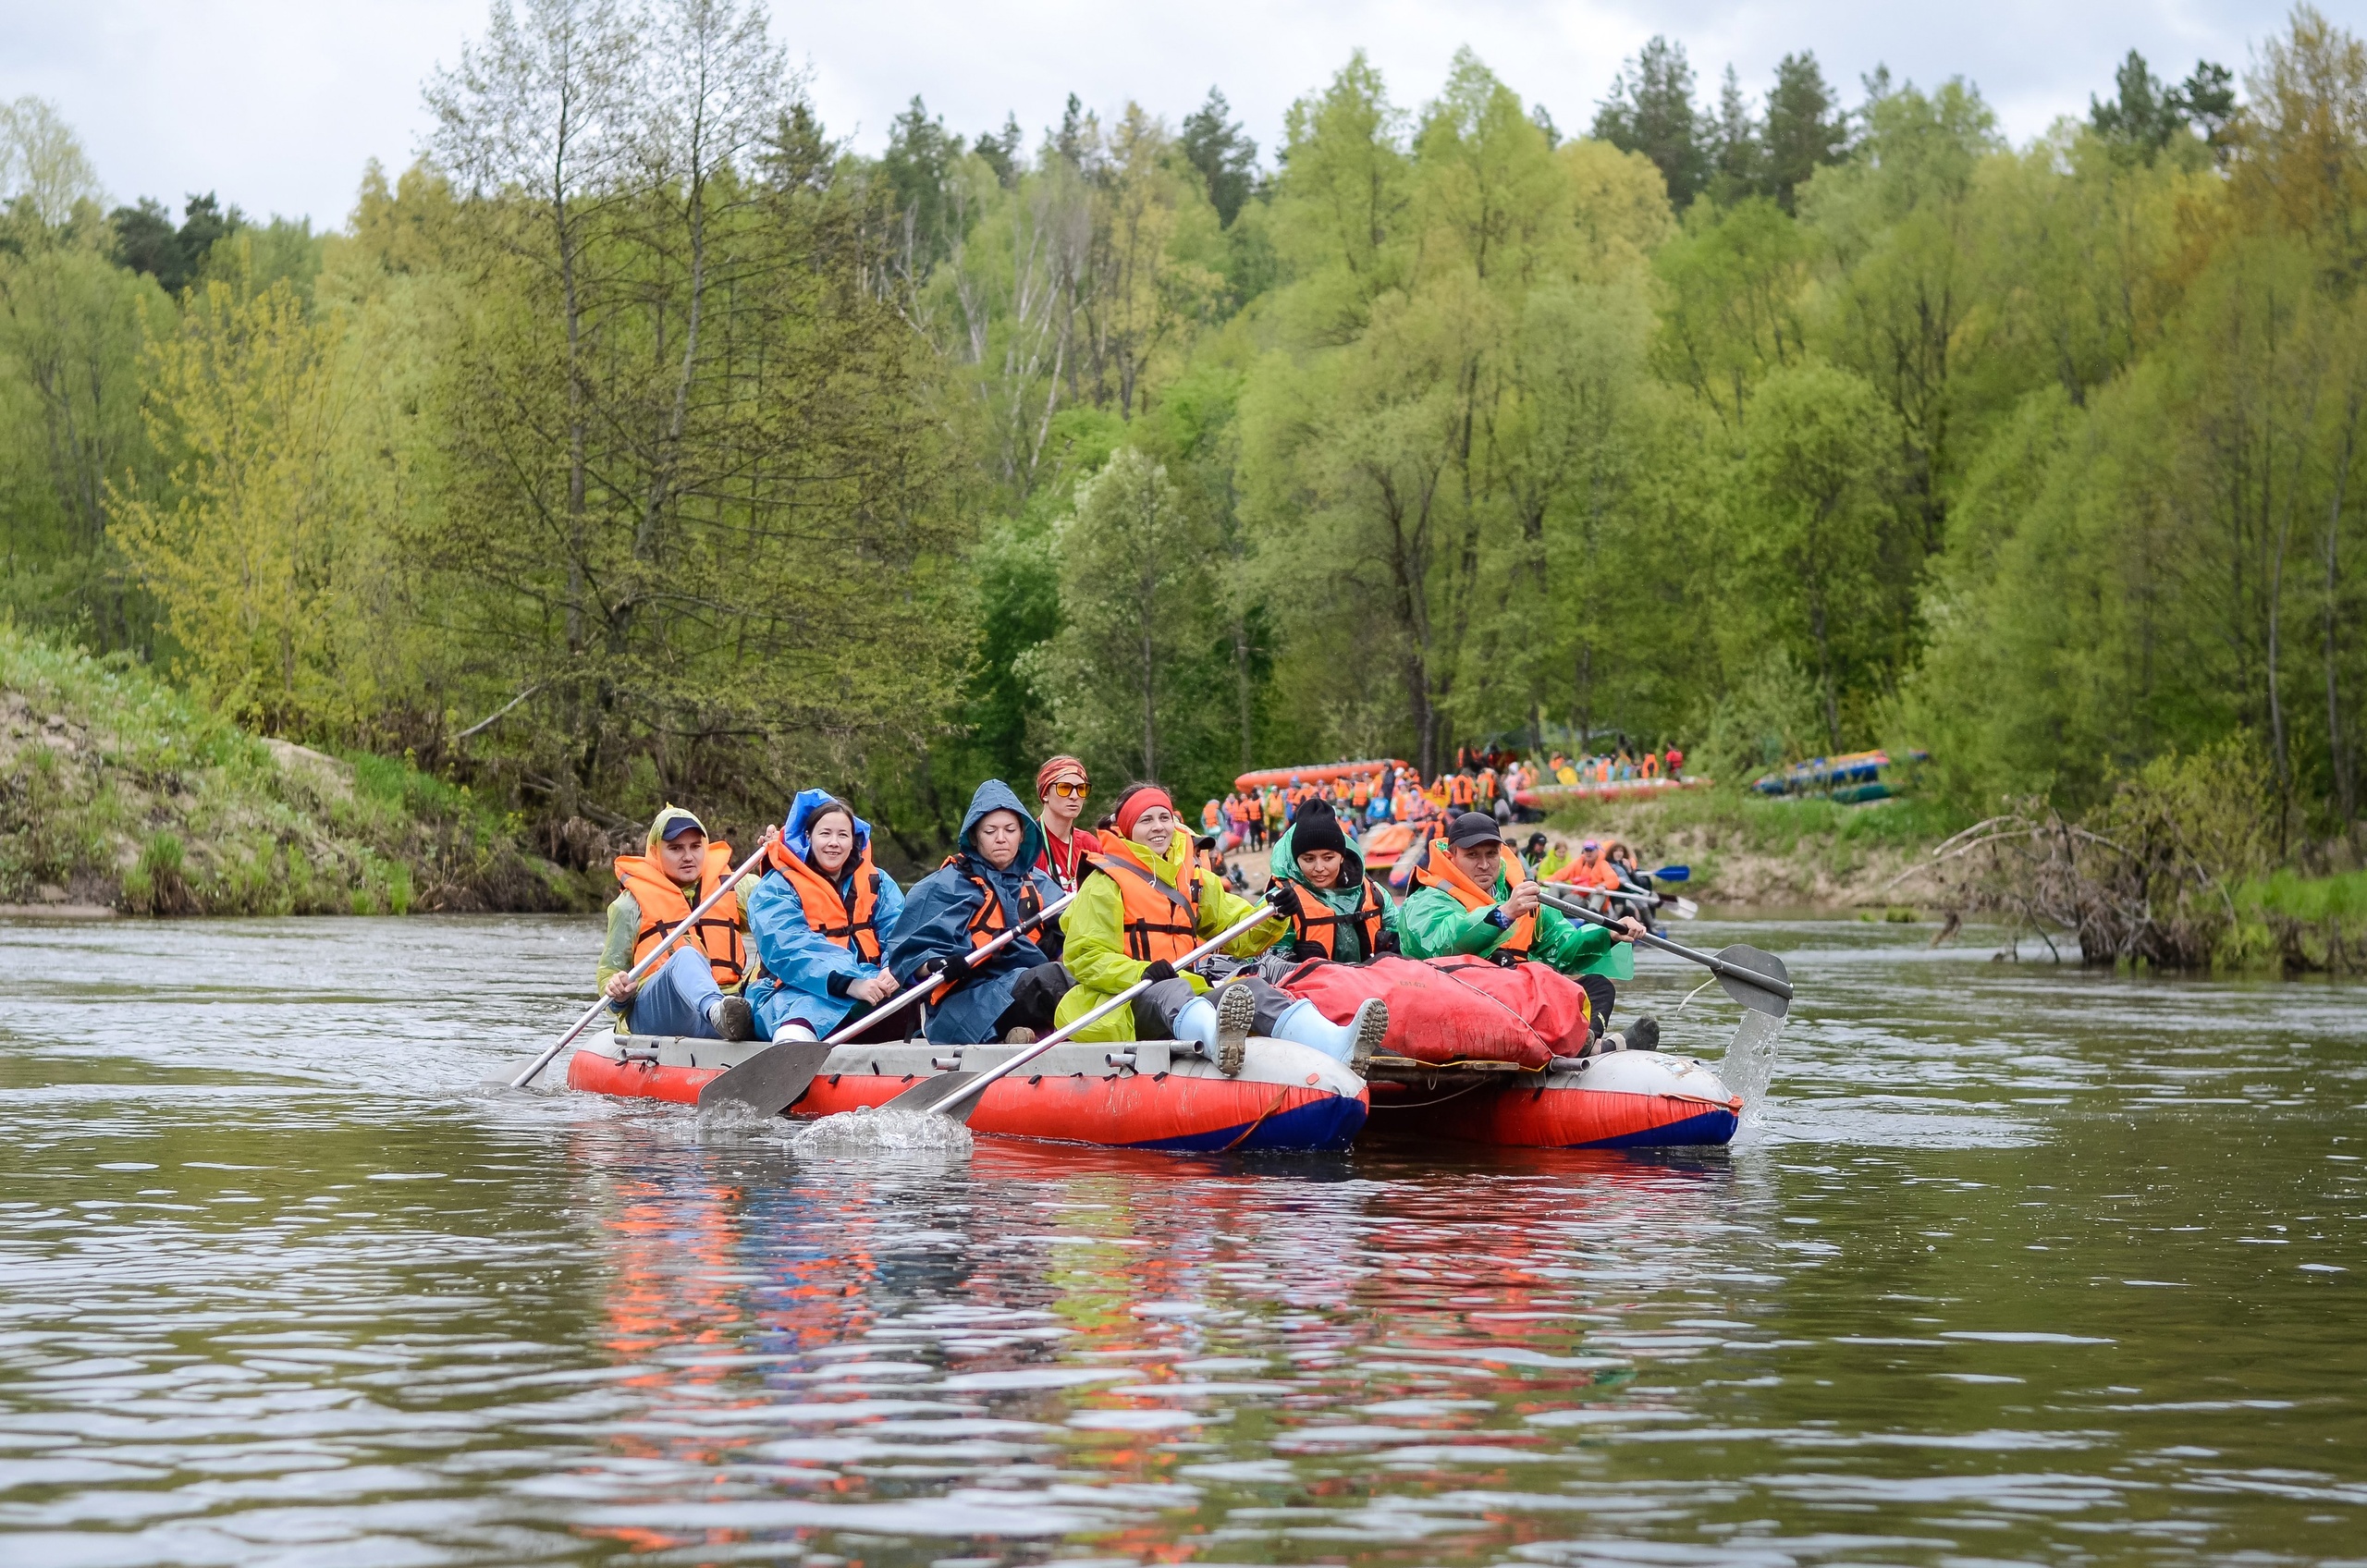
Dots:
pixel 1095 954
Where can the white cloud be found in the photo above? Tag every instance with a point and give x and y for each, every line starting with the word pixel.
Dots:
pixel 276 104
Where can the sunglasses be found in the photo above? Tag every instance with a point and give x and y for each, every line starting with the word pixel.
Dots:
pixel 1066 791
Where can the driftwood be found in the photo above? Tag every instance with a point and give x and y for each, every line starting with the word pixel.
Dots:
pixel 2137 893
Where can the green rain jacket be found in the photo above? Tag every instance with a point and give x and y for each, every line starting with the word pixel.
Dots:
pixel 1432 922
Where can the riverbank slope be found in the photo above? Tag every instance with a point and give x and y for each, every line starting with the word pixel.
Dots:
pixel 118 792
pixel 1749 853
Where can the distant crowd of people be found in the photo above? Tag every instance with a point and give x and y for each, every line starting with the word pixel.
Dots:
pixel 1366 798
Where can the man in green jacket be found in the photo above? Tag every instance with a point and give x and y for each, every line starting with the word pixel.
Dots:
pixel 1474 897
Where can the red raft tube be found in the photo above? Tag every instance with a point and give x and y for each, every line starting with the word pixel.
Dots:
pixel 1145 1095
pixel 1625 1100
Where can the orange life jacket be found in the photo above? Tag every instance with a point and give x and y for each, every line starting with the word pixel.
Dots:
pixel 1360 793
pixel 663 908
pixel 1458 790
pixel 854 929
pixel 1160 922
pixel 986 922
pixel 1316 924
pixel 1438 870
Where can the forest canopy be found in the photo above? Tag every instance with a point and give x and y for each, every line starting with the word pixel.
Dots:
pixel 642 440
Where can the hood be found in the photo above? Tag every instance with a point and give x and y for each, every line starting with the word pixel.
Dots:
pixel 1285 865
pixel 996 795
pixel 801 813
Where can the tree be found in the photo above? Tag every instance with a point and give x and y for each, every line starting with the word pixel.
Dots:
pixel 43 164
pixel 694 497
pixel 1813 515
pixel 1804 131
pixel 1227 159
pixel 1651 111
pixel 2142 117
pixel 1735 153
pixel 925 215
pixel 1136 609
pixel 262 557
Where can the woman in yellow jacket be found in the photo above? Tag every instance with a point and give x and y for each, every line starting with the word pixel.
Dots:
pixel 1148 905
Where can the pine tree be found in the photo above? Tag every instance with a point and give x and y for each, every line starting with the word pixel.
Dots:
pixel 1651 111
pixel 1226 159
pixel 1736 157
pixel 1805 131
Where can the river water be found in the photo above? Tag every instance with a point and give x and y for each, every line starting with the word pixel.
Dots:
pixel 2018 1265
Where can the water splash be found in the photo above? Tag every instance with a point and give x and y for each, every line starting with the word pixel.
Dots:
pixel 881 1131
pixel 1750 1063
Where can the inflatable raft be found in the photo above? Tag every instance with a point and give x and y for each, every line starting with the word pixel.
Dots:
pixel 1144 1095
pixel 1625 1100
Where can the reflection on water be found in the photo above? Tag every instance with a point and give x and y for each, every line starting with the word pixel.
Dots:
pixel 2018 1266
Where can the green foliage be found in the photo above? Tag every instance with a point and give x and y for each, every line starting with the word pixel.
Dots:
pixel 645 442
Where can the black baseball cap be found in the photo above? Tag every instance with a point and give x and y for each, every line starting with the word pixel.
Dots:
pixel 1472 827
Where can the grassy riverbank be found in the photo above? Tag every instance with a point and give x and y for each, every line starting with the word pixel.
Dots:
pixel 1748 852
pixel 116 791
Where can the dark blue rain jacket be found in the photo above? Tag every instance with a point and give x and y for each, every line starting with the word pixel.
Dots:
pixel 935 922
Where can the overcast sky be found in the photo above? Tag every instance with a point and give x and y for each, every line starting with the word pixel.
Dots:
pixel 276 104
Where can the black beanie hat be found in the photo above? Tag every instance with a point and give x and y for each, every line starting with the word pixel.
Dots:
pixel 1316 828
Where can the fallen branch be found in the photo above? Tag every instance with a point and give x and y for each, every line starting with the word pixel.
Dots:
pixel 487 720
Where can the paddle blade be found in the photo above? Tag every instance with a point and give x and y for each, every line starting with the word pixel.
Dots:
pixel 1684 908
pixel 1673 873
pixel 1751 961
pixel 930 1093
pixel 769 1082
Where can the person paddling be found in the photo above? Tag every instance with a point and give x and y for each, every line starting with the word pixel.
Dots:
pixel 1150 904
pixel 1059 789
pixel 1335 912
pixel 995 879
pixel 1475 898
pixel 816 917
pixel 696 991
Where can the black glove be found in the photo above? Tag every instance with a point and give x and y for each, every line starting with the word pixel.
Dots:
pixel 1279 896
pixel 1162 970
pixel 953 967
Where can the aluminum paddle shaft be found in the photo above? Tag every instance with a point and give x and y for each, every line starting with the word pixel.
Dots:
pixel 689 923
pixel 969 1091
pixel 1756 979
pixel 920 988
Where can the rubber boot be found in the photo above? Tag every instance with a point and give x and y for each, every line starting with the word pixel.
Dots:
pixel 1197 1024
pixel 1644 1035
pixel 733 1018
pixel 1349 1044
pixel 1236 1015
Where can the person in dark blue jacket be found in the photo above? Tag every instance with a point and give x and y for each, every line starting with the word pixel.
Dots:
pixel 991 884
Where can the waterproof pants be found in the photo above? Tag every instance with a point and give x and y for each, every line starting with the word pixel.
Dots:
pixel 1156 1009
pixel 1034 998
pixel 1601 996
pixel 674 1000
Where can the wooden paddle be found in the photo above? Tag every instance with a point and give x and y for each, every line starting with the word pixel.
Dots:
pixel 689 923
pixel 1755 978
pixel 956 1093
pixel 770 1081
